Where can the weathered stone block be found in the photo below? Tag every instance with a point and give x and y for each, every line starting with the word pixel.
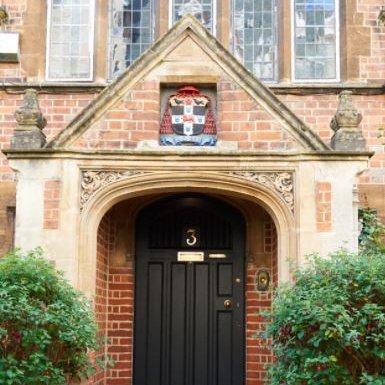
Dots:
pixel 28 139
pixel 344 140
pixel 30 120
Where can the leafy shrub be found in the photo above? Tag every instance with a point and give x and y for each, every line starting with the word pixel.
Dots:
pixel 329 326
pixel 372 234
pixel 46 327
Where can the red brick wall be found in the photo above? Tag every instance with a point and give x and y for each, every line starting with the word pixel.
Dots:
pixel 133 119
pixel 136 118
pixel 243 121
pixel 323 207
pixel 51 204
pixel 318 110
pixel 120 324
pixel 58 109
pixel 105 245
pixel 257 351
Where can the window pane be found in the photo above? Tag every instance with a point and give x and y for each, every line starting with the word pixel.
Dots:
pixel 201 9
pixel 315 39
pixel 70 45
pixel 131 32
pixel 254 36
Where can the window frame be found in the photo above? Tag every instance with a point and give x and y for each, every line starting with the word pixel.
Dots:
pixel 276 14
pixel 214 16
pixel 91 38
pixel 152 29
pixel 337 79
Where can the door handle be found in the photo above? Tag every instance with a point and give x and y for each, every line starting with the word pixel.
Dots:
pixel 227 303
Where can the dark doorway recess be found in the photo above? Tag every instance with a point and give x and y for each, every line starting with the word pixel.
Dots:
pixel 189 293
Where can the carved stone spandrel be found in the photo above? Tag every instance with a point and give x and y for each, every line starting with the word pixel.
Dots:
pixel 30 122
pixel 94 180
pixel 280 182
pixel 345 124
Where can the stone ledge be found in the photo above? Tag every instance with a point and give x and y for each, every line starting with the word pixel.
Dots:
pixel 280 88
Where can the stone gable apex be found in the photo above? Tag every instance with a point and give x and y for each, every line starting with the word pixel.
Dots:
pixel 189 27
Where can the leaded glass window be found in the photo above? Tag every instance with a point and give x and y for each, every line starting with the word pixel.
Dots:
pixel 315 39
pixel 131 32
pixel 203 10
pixel 254 36
pixel 70 39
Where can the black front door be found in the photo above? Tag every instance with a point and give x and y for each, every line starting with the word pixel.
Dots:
pixel 189 304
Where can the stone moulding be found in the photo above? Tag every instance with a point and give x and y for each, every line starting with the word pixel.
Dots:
pixel 279 182
pixel 94 180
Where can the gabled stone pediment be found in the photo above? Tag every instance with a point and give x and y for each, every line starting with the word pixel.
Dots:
pixel 187 53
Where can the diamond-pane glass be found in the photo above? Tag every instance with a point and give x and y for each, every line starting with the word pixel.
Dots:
pixel 254 36
pixel 131 32
pixel 201 9
pixel 70 45
pixel 315 39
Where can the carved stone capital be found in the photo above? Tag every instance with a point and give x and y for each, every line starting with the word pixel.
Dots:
pixel 345 124
pixel 30 122
pixel 280 182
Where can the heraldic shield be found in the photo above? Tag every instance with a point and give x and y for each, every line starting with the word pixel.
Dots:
pixel 188 119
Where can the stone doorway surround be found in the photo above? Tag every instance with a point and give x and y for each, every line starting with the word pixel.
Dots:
pixel 287 186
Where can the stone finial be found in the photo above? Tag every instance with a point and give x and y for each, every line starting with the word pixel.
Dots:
pixel 30 122
pixel 345 124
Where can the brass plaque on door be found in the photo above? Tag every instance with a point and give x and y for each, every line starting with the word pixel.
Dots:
pixel 191 256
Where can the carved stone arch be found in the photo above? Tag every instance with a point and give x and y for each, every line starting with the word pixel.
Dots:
pixel 172 182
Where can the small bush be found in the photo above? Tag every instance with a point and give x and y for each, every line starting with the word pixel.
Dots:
pixel 46 327
pixel 329 326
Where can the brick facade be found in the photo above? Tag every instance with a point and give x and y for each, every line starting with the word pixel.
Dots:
pixel 241 122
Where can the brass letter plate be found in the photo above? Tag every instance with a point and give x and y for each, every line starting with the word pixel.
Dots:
pixel 191 256
pixel 217 256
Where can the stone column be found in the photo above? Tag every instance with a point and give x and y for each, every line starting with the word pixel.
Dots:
pixel 30 122
pixel 347 136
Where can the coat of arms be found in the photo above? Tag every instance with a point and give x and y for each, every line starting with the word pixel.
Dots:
pixel 188 119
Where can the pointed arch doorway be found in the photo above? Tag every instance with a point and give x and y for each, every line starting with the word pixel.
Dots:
pixel 189 301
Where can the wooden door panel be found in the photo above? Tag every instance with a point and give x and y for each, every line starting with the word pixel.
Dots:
pixel 184 335
pixel 225 279
pixel 178 332
pixel 201 326
pixel 224 348
pixel 154 329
